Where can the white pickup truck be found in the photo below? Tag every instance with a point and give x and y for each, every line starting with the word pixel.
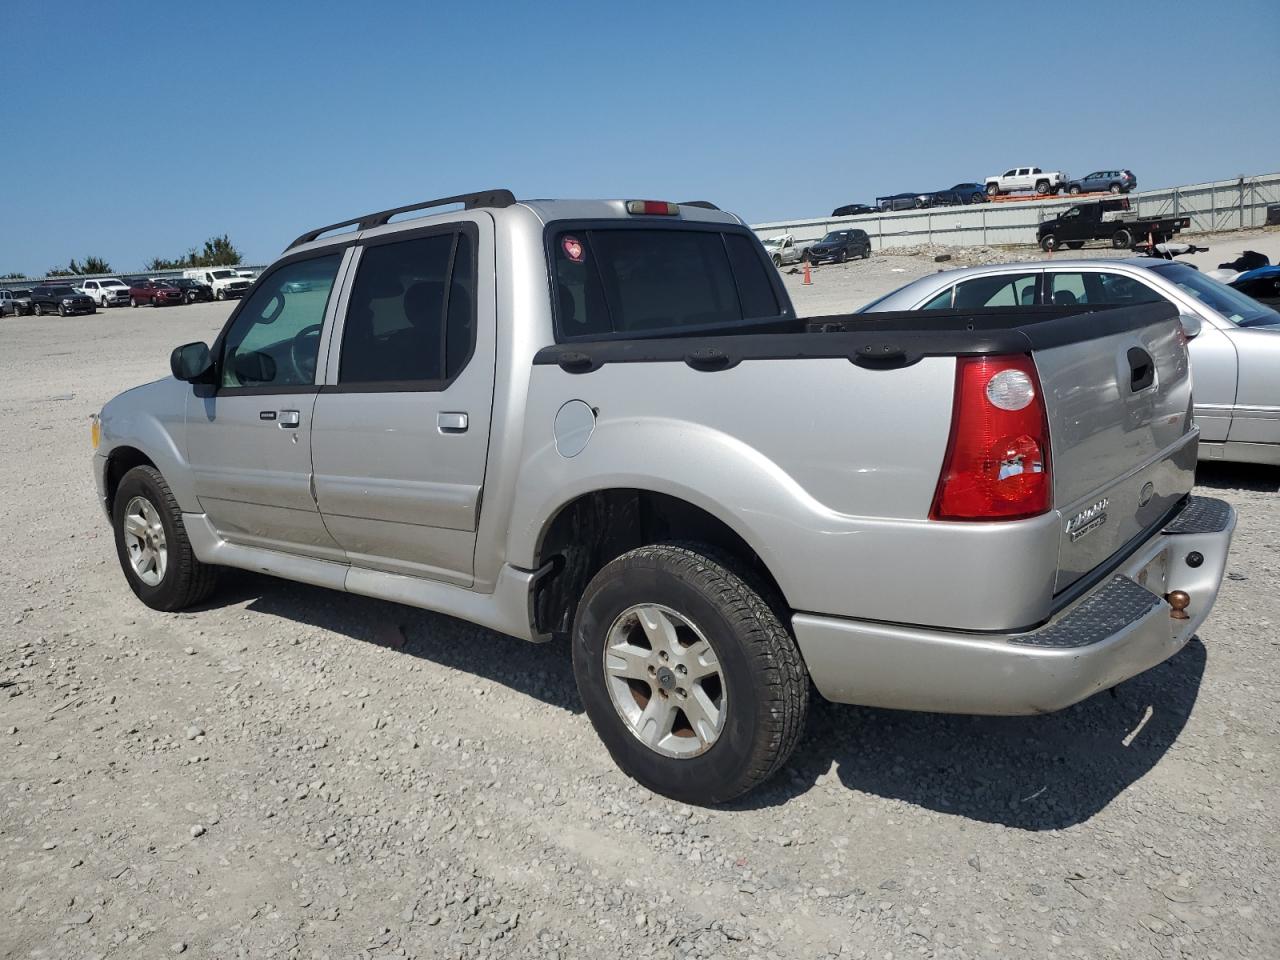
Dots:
pixel 224 281
pixel 787 249
pixel 1017 179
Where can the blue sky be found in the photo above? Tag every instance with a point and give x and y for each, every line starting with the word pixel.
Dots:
pixel 150 127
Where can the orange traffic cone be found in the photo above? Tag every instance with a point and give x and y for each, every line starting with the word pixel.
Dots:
pixel 807 279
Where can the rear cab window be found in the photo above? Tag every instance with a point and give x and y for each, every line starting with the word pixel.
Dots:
pixel 613 281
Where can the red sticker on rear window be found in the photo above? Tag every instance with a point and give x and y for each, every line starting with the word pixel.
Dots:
pixel 572 248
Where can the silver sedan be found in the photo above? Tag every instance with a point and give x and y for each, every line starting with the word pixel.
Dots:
pixel 1235 354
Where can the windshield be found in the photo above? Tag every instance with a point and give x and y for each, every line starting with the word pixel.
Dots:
pixel 833 238
pixel 62 291
pixel 1241 310
pixel 112 283
pixel 222 274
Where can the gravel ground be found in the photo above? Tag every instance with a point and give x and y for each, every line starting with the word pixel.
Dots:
pixel 292 773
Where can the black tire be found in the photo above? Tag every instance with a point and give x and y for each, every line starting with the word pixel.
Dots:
pixel 866 254
pixel 62 311
pixel 1074 189
pixel 777 260
pixel 37 309
pixel 1048 243
pixel 842 256
pixel 1042 188
pixel 186 580
pixel 1114 188
pixel 93 309
pixel 766 687
pixel 993 189
pixel 976 198
pixel 806 257
pixel 1122 240
pixel 221 295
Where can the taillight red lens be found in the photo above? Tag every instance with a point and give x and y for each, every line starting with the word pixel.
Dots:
pixel 997 462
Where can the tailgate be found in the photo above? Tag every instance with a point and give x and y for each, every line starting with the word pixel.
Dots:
pixel 1123 444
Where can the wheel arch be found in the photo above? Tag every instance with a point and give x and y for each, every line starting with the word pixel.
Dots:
pixel 591 529
pixel 120 461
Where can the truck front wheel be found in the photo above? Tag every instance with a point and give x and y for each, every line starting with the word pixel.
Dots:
pixel 993 189
pixel 221 295
pixel 1122 240
pixel 1048 243
pixel 687 673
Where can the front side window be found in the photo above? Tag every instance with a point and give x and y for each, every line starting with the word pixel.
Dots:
pixel 412 311
pixel 275 338
pixel 639 281
pixel 1241 310
pixel 1005 290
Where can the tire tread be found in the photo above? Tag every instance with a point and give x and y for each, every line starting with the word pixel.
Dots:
pixel 195 581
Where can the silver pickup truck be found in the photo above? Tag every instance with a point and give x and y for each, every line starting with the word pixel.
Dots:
pixel 603 420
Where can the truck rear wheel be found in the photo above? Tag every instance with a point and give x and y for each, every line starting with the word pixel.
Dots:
pixel 1042 187
pixel 687 673
pixel 1122 240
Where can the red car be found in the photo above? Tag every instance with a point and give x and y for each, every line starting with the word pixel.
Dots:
pixel 155 292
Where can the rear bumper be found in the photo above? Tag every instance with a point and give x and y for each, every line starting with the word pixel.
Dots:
pixel 1117 630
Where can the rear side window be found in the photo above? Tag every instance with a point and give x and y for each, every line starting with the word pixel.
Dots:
pixel 639 281
pixel 1007 290
pixel 410 317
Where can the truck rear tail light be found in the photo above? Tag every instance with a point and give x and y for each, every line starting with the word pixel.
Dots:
pixel 997 461
pixel 659 207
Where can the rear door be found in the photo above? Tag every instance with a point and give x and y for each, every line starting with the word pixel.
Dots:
pixel 249 439
pixel 402 424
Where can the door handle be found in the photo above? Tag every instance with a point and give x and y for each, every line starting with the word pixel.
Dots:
pixel 289 419
pixel 452 422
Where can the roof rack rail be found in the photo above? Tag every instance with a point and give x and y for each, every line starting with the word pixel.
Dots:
pixel 470 201
pixel 704 204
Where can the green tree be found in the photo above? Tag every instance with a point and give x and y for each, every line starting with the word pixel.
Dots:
pixel 89 265
pixel 217 252
pixel 58 272
pixel 13 276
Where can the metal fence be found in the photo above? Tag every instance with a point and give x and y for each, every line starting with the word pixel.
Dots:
pixel 1222 205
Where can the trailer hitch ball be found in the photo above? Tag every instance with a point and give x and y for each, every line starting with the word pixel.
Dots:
pixel 1179 600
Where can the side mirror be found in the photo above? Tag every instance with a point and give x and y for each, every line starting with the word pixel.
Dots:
pixel 1191 325
pixel 191 362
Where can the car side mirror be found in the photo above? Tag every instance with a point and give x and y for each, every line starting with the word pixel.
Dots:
pixel 1191 325
pixel 191 362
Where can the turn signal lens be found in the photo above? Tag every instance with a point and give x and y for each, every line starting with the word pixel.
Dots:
pixel 997 461
pixel 95 430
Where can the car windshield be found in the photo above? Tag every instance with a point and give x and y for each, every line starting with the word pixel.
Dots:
pixel 833 237
pixel 1241 310
pixel 111 283
pixel 62 291
pixel 222 274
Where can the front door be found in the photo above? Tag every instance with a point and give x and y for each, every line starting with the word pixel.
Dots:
pixel 249 439
pixel 402 424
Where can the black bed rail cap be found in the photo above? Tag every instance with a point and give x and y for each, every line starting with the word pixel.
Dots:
pixel 493 199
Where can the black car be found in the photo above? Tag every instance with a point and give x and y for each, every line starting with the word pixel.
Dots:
pixel 60 297
pixel 958 195
pixel 852 210
pixel 192 290
pixel 840 245
pixel 900 201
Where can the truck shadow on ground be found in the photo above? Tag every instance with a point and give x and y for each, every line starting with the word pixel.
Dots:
pixel 540 670
pixel 1032 773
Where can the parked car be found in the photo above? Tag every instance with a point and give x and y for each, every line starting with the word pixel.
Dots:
pixel 786 249
pixel 1106 219
pixel 110 292
pixel 841 245
pixel 225 282
pixel 1016 179
pixel 15 301
pixel 1235 350
pixel 958 195
pixel 1261 283
pixel 60 298
pixel 193 291
pixel 852 210
pixel 899 201
pixel 158 293
pixel 976 551
pixel 1114 181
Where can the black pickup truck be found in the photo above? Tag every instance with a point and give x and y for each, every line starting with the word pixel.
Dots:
pixel 1106 220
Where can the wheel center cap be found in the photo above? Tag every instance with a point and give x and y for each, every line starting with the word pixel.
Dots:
pixel 666 679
